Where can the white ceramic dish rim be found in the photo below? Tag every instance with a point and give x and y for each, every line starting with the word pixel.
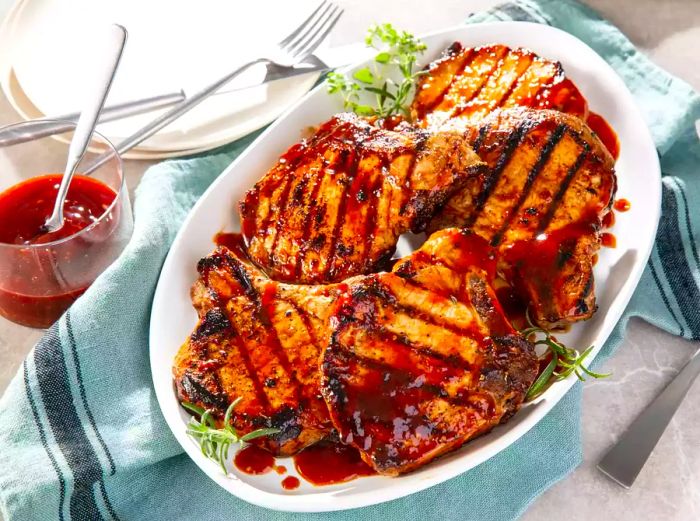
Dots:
pixel 485 447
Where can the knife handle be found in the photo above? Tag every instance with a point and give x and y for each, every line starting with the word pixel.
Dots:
pixel 625 460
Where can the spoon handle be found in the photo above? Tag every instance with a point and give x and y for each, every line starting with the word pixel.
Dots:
pixel 88 119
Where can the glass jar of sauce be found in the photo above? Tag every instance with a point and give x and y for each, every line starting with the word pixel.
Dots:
pixel 42 274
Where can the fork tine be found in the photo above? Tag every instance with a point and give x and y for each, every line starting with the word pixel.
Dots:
pixel 320 34
pixel 302 27
pixel 320 19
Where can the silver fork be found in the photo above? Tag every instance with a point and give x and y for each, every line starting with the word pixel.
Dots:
pixel 293 49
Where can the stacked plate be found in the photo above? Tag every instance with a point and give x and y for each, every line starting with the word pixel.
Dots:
pixel 173 45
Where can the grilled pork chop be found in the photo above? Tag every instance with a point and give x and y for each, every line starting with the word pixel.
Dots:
pixel 423 359
pixel 259 340
pixel 467 84
pixel 549 183
pixel 335 205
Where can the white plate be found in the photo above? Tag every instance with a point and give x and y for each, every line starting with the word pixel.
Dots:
pixel 45 58
pixel 617 272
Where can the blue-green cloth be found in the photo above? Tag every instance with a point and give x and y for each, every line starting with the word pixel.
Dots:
pixel 81 434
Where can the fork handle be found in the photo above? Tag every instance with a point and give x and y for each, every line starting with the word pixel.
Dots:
pixel 627 457
pixel 170 116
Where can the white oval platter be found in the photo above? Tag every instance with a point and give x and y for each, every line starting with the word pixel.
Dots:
pixel 617 272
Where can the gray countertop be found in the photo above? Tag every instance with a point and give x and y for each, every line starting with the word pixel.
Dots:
pixel 669 486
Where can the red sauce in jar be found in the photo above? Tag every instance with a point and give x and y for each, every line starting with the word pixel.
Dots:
pixel 328 463
pixel 290 483
pixel 254 460
pixel 622 205
pixel 24 208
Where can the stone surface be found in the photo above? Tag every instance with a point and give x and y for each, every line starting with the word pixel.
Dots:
pixel 669 486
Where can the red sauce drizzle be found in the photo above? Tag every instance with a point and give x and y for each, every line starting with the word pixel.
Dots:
pixel 605 132
pixel 563 96
pixel 566 97
pixel 290 483
pixel 232 241
pixel 608 220
pixel 513 305
pixel 328 463
pixel 280 469
pixel 254 460
pixel 608 240
pixel 622 205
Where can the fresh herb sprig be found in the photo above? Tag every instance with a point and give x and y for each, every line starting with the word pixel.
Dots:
pixel 563 362
pixel 215 442
pixel 397 49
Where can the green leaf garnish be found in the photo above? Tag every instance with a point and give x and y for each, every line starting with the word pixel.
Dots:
pixel 214 442
pixel 398 51
pixel 564 360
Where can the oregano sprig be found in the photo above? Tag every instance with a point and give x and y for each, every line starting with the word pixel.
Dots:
pixel 397 50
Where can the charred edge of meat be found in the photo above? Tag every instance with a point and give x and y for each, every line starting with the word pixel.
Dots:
pixel 208 263
pixel 514 363
pixel 242 277
pixel 424 206
pixel 215 321
pixel 581 305
pixel 192 387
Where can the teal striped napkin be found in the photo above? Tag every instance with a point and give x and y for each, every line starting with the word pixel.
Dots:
pixel 82 436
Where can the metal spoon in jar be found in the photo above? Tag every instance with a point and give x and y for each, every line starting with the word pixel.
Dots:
pixel 87 122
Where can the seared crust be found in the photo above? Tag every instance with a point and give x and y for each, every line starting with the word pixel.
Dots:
pixel 258 340
pixel 335 205
pixel 420 361
pixel 466 84
pixel 550 182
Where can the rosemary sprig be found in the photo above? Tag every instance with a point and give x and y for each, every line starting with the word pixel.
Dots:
pixel 215 442
pixel 397 49
pixel 564 360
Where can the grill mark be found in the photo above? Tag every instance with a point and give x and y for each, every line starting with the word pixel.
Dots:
pixel 241 276
pixel 281 205
pixel 516 83
pixel 304 318
pixel 497 66
pixel 562 190
pixel 420 146
pixel 383 366
pixel 483 131
pixel 371 216
pixel 425 317
pixel 402 341
pixel 354 160
pixel 286 178
pixel 252 374
pixel 275 345
pixel 429 107
pixel 513 141
pixel 542 159
pixel 308 219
